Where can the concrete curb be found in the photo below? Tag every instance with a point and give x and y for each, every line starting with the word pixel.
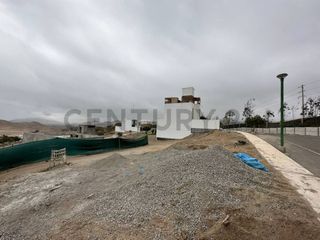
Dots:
pixel 304 181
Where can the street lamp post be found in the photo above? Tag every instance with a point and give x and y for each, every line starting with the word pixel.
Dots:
pixel 281 77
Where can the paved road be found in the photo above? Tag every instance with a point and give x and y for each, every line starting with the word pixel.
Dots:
pixel 305 150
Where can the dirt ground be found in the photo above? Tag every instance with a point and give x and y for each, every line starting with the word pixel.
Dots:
pixel 274 211
pixel 280 190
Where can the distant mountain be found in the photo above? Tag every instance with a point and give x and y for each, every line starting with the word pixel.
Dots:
pixel 43 121
pixel 18 128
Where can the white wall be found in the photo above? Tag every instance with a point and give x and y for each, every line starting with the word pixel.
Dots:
pixel 305 131
pixel 273 130
pixel 290 130
pixel 196 111
pixel 170 121
pixel 205 124
pixel 171 132
pixel 300 131
pixel 312 131
pixel 188 91
pixel 126 126
pixel 118 129
pixel 174 130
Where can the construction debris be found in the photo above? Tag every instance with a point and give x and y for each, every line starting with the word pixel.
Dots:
pixel 240 143
pixel 226 221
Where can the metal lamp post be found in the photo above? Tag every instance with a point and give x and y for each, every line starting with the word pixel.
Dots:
pixel 281 77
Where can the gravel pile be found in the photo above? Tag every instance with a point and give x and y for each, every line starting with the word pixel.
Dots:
pixel 180 184
pixel 114 161
pixel 177 189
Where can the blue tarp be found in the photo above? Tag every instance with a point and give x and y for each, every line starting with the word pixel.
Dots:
pixel 250 161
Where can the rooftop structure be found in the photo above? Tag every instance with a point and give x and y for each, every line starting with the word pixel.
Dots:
pixel 183 116
pixel 187 96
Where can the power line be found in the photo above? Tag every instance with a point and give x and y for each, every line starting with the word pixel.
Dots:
pixel 275 101
pixel 309 83
pixel 315 88
pixel 287 94
pixel 293 93
pixel 313 95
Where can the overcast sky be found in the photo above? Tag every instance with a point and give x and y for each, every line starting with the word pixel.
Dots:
pixel 61 54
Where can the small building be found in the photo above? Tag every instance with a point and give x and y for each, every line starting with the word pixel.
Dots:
pixel 128 126
pixel 87 129
pixel 35 136
pixel 183 117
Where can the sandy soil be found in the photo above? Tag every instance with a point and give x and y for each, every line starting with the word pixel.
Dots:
pixel 273 212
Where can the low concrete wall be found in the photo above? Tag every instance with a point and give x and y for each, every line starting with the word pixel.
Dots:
pixel 306 131
pixel 273 130
pixel 290 130
pixel 300 131
pixel 312 131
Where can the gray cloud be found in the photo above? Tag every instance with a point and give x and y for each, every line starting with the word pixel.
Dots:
pixel 57 55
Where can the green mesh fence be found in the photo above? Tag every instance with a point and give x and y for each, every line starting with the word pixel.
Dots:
pixel 41 150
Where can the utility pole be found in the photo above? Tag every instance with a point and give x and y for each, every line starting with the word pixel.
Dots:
pixel 302 103
pixel 281 77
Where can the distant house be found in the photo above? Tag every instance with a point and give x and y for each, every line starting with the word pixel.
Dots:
pixel 183 117
pixel 87 129
pixel 128 126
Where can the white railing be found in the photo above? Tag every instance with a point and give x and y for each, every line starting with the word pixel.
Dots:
pixel 58 157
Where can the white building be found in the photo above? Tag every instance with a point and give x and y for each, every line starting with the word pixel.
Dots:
pixel 183 117
pixel 87 129
pixel 128 126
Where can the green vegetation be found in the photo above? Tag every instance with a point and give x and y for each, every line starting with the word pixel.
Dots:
pixel 255 121
pixel 8 139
